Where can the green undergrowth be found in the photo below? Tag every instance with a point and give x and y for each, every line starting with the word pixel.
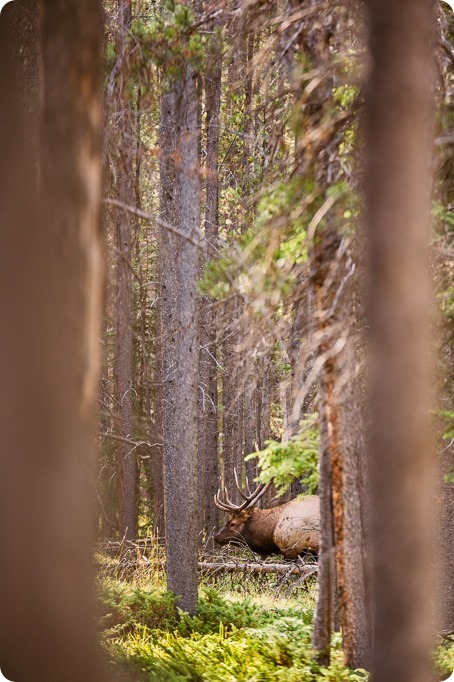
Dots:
pixel 233 638
pixel 243 632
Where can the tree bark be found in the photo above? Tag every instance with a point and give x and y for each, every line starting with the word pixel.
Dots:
pixel 208 379
pixel 156 450
pixel 232 396
pixel 324 612
pixel 180 205
pixel 331 270
pixel 399 123
pixel 338 404
pixel 126 455
pixel 51 296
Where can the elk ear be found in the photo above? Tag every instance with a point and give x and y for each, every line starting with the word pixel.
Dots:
pixel 245 514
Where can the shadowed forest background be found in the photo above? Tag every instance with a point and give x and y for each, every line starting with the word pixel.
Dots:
pixel 226 259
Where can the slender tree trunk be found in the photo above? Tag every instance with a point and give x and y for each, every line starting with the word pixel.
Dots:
pixel 208 414
pixel 156 454
pixel 180 205
pixel 324 613
pixel 399 123
pixel 250 416
pixel 51 301
pixel 232 396
pixel 127 455
pixel 266 396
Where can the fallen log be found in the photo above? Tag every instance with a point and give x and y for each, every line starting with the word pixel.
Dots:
pixel 232 567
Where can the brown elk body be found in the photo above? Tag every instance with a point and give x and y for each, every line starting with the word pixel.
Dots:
pixel 290 528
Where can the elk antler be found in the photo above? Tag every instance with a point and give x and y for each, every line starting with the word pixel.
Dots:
pixel 249 500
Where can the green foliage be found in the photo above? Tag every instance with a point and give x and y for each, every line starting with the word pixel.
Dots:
pixel 261 262
pixel 169 43
pixel 445 300
pixel 227 641
pixel 124 608
pixel 443 215
pixel 444 658
pixel 166 39
pixel 345 95
pixel 296 458
pixel 264 263
pixel 448 419
pixel 215 613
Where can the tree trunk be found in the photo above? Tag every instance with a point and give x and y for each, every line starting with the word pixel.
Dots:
pixel 250 415
pixel 208 413
pixel 399 117
pixel 338 398
pixel 324 613
pixel 232 396
pixel 156 450
pixel 331 270
pixel 51 301
pixel 180 206
pixel 127 455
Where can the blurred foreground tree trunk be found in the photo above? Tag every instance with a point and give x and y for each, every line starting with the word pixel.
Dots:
pixel 50 298
pixel 399 124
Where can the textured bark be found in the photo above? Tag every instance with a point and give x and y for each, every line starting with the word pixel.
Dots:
pixel 399 123
pixel 324 613
pixel 266 394
pixel 156 451
pixel 250 427
pixel 51 301
pixel 126 455
pixel 446 543
pixel 208 410
pixel 338 403
pixel 180 205
pixel 234 379
pixel 250 435
pixel 232 396
pixel 170 212
pixel 295 407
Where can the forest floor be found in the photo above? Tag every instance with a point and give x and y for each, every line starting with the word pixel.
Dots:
pixel 247 629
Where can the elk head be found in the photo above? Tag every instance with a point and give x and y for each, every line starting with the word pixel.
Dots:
pixel 235 528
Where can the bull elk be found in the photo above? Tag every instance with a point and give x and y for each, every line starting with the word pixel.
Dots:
pixel 290 528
